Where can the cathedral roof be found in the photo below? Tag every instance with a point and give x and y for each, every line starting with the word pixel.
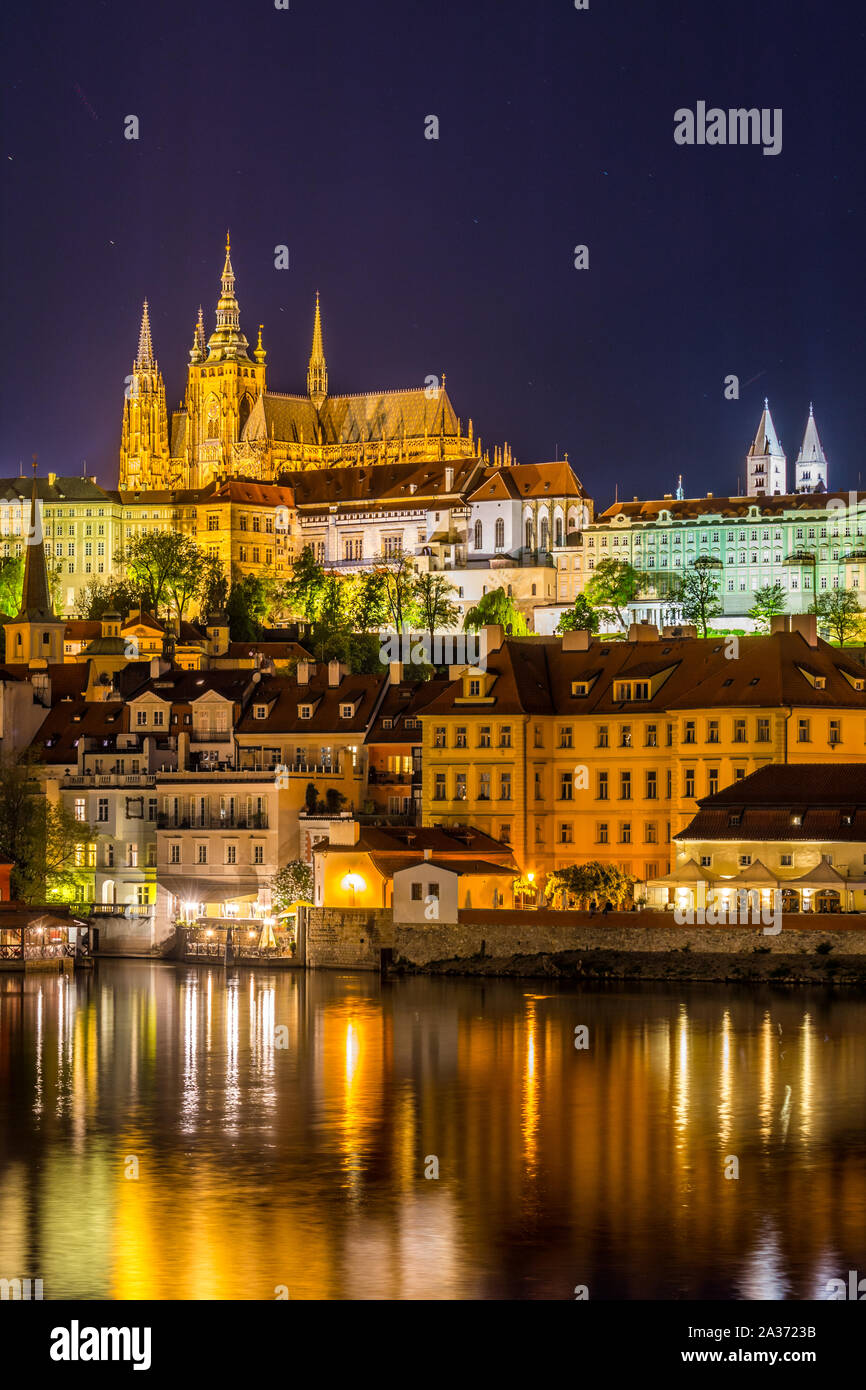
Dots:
pixel 360 419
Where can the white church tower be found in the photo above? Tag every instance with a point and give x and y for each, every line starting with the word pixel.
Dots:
pixel 811 466
pixel 766 465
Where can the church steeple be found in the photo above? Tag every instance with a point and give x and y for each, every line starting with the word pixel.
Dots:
pixel 144 444
pixel 144 360
pixel 227 342
pixel 811 466
pixel 198 351
pixel 35 633
pixel 317 372
pixel 766 465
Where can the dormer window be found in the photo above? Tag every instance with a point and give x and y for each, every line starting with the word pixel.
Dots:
pixel 580 687
pixel 260 712
pixel 820 682
pixel 305 711
pixel 475 687
pixel 347 711
pixel 796 818
pixel 386 723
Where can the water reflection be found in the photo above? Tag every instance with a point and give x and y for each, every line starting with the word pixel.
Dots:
pixel 288 1131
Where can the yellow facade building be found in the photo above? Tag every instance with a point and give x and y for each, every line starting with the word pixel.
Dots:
pixel 574 749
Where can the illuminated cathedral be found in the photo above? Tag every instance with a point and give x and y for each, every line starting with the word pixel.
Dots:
pixel 230 425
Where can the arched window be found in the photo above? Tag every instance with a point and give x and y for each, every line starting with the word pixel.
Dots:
pixel 244 413
pixel 500 534
pixel 558 530
pixel 545 534
pixel 478 535
pixel 529 533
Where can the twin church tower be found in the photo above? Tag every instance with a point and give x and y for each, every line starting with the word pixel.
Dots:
pixel 230 425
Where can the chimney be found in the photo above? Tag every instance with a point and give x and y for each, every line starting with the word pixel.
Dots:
pixel 709 494
pixel 52 479
pixel 576 641
pixel 335 673
pixel 807 626
pixel 780 622
pixel 303 673
pixel 395 672
pixel 494 636
pixel 449 479
pixel 344 832
pixel 643 632
pixel 156 667
pixel 427 853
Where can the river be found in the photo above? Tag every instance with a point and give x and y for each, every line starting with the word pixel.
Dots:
pixel 182 1132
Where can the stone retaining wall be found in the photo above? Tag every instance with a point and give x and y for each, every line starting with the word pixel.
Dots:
pixel 351 939
pixel 419 945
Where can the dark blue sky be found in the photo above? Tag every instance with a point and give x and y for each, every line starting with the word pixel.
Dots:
pixel 306 127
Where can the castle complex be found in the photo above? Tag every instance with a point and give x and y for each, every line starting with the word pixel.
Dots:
pixel 230 425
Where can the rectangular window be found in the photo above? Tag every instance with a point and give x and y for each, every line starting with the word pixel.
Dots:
pixel 689 782
pixel 460 736
pixel 505 736
pixel 625 832
pixel 258 854
pixel 484 786
pixel 651 833
pixel 566 737
pixel 625 786
pixel 739 731
pixel 787 861
pixel 566 835
pixel 763 733
pixel 505 786
pixel 174 854
pixel 439 737
pixel 651 740
pixel 102 808
pixel 713 731
pixel 439 786
pixel 601 833
pixel 652 790
pixel 80 808
pixel 484 736
pixel 417 892
pixel 803 731
pixel 566 786
pixel 231 854
pixel 460 787
pixel 690 735
pixel 835 732
pixel 713 781
pixel 539 785
pixel 625 736
pixel 602 791
pixel 603 741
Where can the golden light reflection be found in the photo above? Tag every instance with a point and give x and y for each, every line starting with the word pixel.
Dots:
pixel 529 1108
pixel 725 1084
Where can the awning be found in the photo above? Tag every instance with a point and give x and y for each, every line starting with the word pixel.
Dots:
pixel 690 872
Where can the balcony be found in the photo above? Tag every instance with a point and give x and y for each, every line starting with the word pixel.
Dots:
pixel 210 735
pixel 109 779
pixel 257 821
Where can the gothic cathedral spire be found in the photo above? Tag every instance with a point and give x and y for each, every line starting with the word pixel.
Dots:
pixel 811 466
pixel 144 443
pixel 227 342
pixel 317 372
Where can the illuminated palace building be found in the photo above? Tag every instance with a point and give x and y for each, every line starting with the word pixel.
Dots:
pixel 230 425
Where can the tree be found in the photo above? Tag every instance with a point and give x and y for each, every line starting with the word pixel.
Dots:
pixel 107 596
pixel 291 885
pixel 165 566
pixel 11 584
pixel 213 590
pixel 698 593
pixel 366 603
pixel 40 837
pixel 496 608
pixel 304 591
pixel 613 586
pixel 435 607
pixel 770 601
pixel 840 615
pixel 585 883
pixel 581 617
pixel 401 604
pixel 247 607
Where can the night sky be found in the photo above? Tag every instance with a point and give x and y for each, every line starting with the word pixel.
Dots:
pixel 306 128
